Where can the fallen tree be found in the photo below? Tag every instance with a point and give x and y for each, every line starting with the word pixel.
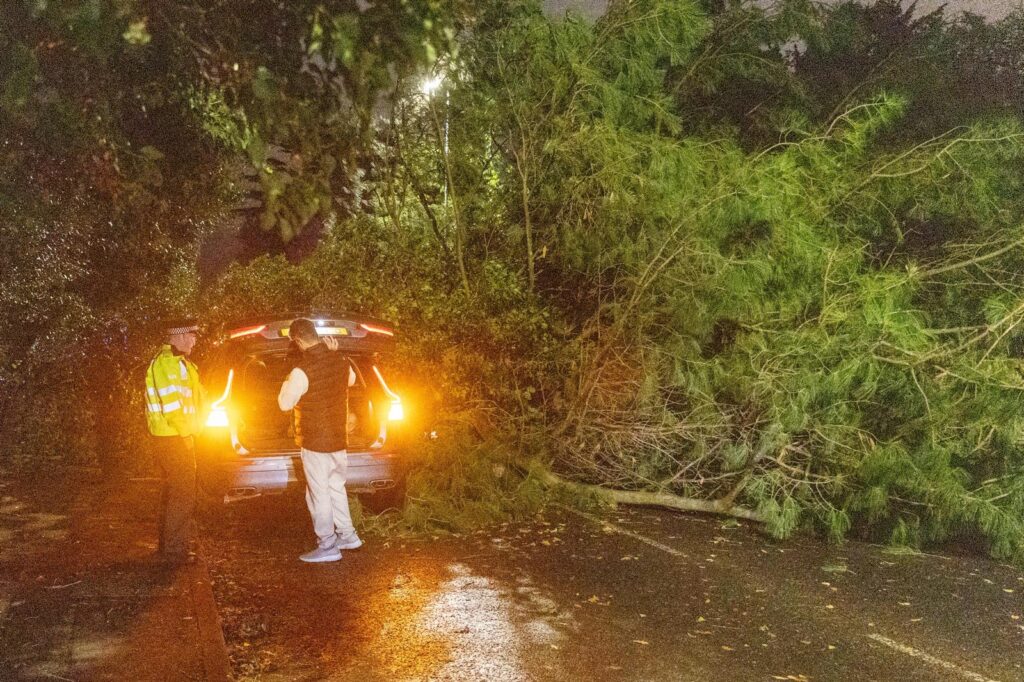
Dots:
pixel 723 507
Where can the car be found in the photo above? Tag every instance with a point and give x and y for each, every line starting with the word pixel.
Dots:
pixel 247 448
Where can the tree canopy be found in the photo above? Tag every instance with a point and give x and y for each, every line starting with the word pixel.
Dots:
pixel 764 258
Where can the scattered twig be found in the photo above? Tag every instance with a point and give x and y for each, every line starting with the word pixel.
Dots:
pixel 61 587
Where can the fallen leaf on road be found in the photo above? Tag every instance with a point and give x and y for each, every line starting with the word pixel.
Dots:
pixel 727 648
pixel 640 641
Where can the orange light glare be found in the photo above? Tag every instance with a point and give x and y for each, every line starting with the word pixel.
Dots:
pixel 396 412
pixel 377 330
pixel 218 417
pixel 247 331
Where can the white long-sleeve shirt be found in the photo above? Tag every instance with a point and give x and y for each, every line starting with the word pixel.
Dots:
pixel 293 388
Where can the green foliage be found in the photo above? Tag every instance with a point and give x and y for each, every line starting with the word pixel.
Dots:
pixel 460 485
pixel 769 258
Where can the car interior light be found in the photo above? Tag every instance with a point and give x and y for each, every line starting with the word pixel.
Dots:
pixel 218 416
pixel 247 331
pixel 377 330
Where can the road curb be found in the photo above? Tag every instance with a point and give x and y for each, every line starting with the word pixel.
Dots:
pixel 213 650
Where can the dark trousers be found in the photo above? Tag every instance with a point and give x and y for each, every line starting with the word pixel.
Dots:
pixel 176 458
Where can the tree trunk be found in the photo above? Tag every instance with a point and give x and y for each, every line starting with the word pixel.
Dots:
pixel 722 507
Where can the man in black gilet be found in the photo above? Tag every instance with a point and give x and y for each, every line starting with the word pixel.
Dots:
pixel 317 389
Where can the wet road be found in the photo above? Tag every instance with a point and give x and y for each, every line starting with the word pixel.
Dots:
pixel 633 595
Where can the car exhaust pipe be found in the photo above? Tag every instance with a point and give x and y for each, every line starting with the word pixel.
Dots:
pixel 237 494
pixel 382 483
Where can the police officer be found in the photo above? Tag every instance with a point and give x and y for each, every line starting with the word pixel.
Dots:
pixel 174 400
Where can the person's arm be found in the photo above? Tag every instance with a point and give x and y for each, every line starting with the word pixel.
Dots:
pixel 293 388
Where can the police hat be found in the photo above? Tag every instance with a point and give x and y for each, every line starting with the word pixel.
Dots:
pixel 181 325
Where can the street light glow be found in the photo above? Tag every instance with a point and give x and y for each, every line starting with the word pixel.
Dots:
pixel 430 85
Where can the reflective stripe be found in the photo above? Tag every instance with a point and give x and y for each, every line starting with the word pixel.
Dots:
pixel 190 410
pixel 171 407
pixel 154 407
pixel 171 388
pixel 150 390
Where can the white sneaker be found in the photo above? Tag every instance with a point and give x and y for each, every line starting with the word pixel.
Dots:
pixel 321 555
pixel 350 541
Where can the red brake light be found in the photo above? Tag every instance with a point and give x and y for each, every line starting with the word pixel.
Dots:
pixel 377 330
pixel 247 331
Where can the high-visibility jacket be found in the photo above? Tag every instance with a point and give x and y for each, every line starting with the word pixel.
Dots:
pixel 174 396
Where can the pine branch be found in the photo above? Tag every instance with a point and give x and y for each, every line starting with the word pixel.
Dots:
pixel 972 261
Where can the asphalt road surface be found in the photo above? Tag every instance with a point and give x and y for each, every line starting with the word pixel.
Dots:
pixel 636 594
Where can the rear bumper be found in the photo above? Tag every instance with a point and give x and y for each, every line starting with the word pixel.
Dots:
pixel 259 474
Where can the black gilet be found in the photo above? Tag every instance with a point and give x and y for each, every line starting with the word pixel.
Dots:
pixel 321 415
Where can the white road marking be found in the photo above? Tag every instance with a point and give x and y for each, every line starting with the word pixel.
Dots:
pixel 928 658
pixel 619 529
pixel 881 639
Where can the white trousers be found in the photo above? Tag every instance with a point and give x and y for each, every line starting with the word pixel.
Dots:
pixel 325 494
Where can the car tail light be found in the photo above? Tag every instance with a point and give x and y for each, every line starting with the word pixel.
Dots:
pixel 218 417
pixel 246 331
pixel 396 412
pixel 377 330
